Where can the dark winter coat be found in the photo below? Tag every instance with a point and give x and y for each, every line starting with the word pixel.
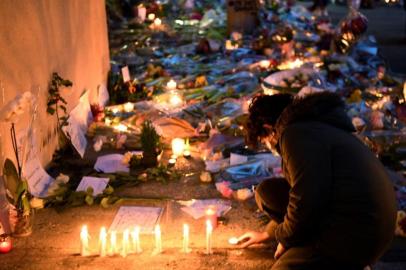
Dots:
pixel 341 199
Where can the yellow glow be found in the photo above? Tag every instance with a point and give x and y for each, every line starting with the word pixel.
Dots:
pixel 157 22
pixel 264 63
pixel 175 100
pixel 178 146
pixel 291 64
pixel 128 107
pixel 151 16
pixel 171 85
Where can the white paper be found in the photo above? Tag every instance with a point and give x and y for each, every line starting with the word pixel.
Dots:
pixel 197 208
pixel 110 164
pixel 98 184
pixel 102 95
pixel 236 159
pixel 126 74
pixel 128 217
pixel 38 179
pixel 79 119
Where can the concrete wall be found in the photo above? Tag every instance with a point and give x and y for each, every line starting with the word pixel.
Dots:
pixel 39 37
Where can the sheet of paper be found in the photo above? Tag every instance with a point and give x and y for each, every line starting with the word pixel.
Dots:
pixel 76 135
pixel 197 208
pixel 128 217
pixel 126 74
pixel 110 164
pixel 98 184
pixel 236 159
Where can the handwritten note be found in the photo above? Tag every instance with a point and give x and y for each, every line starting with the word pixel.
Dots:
pixel 98 184
pixel 128 217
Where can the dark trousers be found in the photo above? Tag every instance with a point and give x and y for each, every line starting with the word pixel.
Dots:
pixel 272 197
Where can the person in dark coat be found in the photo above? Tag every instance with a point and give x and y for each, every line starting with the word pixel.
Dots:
pixel 336 209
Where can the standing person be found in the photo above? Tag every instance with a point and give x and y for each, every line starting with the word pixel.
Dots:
pixel 336 209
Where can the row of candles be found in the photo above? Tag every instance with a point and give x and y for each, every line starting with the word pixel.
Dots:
pixel 134 246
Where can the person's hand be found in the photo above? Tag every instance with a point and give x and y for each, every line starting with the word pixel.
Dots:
pixel 252 238
pixel 279 251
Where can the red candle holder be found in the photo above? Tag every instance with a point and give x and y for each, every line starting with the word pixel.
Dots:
pixel 5 244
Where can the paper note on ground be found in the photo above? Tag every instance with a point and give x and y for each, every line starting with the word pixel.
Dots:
pixel 110 164
pixel 128 217
pixel 98 184
pixel 197 208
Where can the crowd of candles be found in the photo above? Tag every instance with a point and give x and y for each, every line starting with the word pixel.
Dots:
pixel 131 241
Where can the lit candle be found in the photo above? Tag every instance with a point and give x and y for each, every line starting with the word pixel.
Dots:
pixel 158 241
pixel 121 128
pixel 185 246
pixel 171 85
pixel 186 152
pixel 175 99
pixel 211 214
pixel 103 242
pixel 209 231
pixel 125 245
pixel 157 22
pixel 172 161
pixel 114 110
pixel 108 121
pixel 5 244
pixel 136 240
pixel 264 63
pixel 151 16
pixel 128 107
pixel 84 241
pixel 233 241
pixel 113 243
pixel 178 145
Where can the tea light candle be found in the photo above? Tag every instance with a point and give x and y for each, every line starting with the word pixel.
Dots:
pixel 108 121
pixel 157 22
pixel 136 240
pixel 103 242
pixel 128 107
pixel 172 162
pixel 178 145
pixel 84 241
pixel 209 232
pixel 121 128
pixel 158 241
pixel 211 215
pixel 125 245
pixel 171 85
pixel 113 243
pixel 175 99
pixel 233 241
pixel 264 63
pixel 151 16
pixel 5 244
pixel 186 152
pixel 185 246
pixel 114 110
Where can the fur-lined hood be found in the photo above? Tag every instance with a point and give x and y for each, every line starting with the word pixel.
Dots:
pixel 323 107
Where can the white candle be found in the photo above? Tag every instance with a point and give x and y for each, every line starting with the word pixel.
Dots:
pixel 157 22
pixel 264 63
pixel 125 245
pixel 209 231
pixel 151 16
pixel 128 107
pixel 84 241
pixel 171 85
pixel 103 242
pixel 136 240
pixel 186 152
pixel 172 161
pixel 158 241
pixel 113 243
pixel 178 145
pixel 185 246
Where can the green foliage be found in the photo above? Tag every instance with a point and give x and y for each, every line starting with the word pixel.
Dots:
pixel 55 101
pixel 17 188
pixel 150 140
pixel 162 173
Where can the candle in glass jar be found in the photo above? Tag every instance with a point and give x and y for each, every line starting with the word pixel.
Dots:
pixel 103 242
pixel 84 241
pixel 209 232
pixel 185 244
pixel 5 244
pixel 178 145
pixel 136 240
pixel 171 85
